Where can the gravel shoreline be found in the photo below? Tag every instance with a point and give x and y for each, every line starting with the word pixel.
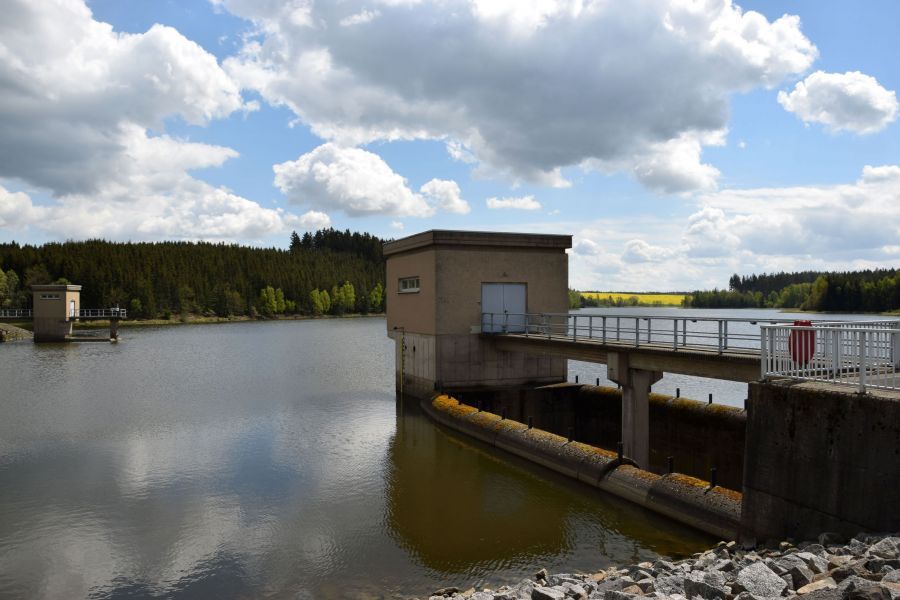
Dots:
pixel 866 567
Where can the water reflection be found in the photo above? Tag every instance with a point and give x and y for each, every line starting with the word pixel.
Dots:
pixel 268 460
pixel 470 512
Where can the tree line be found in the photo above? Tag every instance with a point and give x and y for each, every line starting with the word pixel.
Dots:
pixel 158 279
pixel 858 291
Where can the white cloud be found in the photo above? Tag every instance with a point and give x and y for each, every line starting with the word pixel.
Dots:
pixel 519 203
pixel 836 227
pixel 190 209
pixel 312 220
pixel 360 183
pixel 74 90
pixel 849 101
pixel 525 90
pixel 359 18
pixel 353 180
pixel 639 251
pixel 78 102
pixel 447 196
pixel 398 225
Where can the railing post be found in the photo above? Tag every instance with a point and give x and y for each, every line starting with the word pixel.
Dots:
pixel 649 331
pixel 675 335
pixel 684 333
pixel 618 330
pixel 762 353
pixel 862 361
pixel 720 336
pixel 637 332
pixel 591 327
pixel 726 335
pixel 604 329
pixel 574 328
pixel 836 358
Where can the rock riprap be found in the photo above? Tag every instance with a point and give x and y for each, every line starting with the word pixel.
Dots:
pixel 866 567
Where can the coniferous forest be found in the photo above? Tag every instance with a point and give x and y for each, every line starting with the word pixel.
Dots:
pixel 858 291
pixel 159 279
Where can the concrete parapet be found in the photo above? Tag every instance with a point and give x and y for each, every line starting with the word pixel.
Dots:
pixel 820 457
pixel 698 435
pixel 680 497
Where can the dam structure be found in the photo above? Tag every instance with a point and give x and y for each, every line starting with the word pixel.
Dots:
pixel 483 334
pixel 56 308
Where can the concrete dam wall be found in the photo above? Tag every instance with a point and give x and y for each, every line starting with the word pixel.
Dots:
pixel 697 435
pixel 715 510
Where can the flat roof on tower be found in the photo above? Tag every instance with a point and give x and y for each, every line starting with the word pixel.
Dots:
pixel 446 237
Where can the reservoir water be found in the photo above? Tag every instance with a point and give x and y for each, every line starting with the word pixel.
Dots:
pixel 272 460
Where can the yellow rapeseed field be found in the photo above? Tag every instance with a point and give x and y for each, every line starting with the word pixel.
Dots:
pixel 664 299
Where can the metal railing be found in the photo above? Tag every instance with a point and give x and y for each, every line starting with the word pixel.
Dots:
pixel 862 353
pixel 99 313
pixel 15 313
pixel 673 333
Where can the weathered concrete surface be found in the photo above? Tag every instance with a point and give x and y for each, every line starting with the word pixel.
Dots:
pixel 685 499
pixel 697 435
pixel 445 312
pixel 820 458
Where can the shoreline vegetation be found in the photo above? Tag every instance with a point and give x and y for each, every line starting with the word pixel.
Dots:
pixel 871 291
pixel 190 319
pixel 326 272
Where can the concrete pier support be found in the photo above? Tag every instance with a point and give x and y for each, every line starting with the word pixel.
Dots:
pixel 635 406
pixel 114 328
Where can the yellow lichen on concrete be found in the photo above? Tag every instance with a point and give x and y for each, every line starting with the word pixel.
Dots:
pixel 509 425
pixel 546 435
pixel 639 473
pixel 595 450
pixel 451 406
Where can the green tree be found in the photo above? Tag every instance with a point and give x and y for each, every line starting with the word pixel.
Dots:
pixel 279 301
pixel 266 304
pixel 295 242
pixel 337 300
pixel 315 301
pixel 326 301
pixel 135 308
pixel 376 297
pixel 348 296
pixel 4 290
pixel 817 294
pixel 574 299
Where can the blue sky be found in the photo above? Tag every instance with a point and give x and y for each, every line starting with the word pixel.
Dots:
pixel 679 142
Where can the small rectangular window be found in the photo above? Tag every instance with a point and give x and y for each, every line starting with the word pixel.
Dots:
pixel 49 296
pixel 409 285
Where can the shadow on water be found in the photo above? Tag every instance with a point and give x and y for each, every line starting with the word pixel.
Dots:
pixel 469 512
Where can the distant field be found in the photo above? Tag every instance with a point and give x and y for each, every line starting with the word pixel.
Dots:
pixel 664 299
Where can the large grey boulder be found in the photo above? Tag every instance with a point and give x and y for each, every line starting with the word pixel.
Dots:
pixel 760 580
pixel 888 547
pixel 544 593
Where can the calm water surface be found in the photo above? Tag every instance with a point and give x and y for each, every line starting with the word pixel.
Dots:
pixel 270 460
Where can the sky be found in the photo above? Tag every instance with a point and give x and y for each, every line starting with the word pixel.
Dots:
pixel 678 141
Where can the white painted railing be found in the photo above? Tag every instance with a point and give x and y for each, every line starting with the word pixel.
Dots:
pixel 102 313
pixel 863 353
pixel 15 313
pixel 673 333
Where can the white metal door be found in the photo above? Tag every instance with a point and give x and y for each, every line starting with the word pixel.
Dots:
pixel 503 307
pixel 71 308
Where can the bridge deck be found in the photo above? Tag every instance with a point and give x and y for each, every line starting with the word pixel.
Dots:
pixel 736 364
